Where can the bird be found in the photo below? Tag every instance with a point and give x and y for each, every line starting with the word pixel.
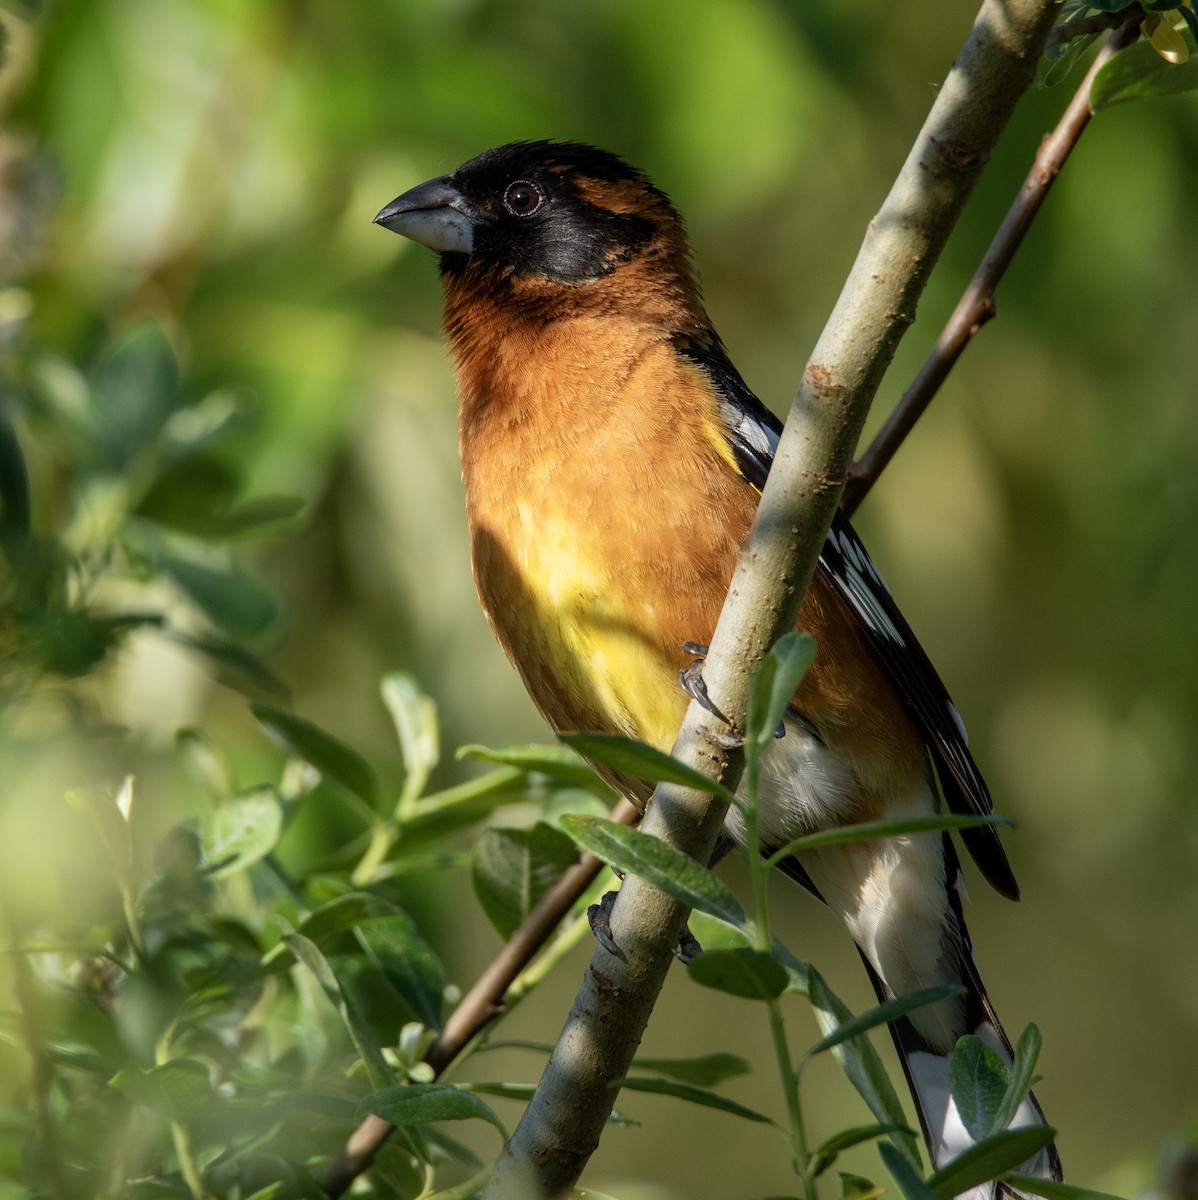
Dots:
pixel 612 458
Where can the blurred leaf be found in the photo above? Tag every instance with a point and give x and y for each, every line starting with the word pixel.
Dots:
pixel 238 832
pixel 344 912
pixel 359 1029
pixel 15 507
pixel 860 1062
pixel 1027 1050
pixel 571 802
pixel 558 763
pixel 1139 73
pixel 693 1095
pixel 415 716
pixel 773 685
pixel 331 757
pixel 652 860
pixel 751 974
pixel 512 869
pixel 235 667
pixel 234 601
pixel 634 758
pixel 905 1175
pixel 114 828
pixel 891 1010
pixel 206 761
pixel 423 1103
pixel 978 1080
pixel 988 1159
pixel 706 1070
pixel 399 950
pixel 177 1089
pixel 857 1187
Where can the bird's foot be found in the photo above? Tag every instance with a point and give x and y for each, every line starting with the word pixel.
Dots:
pixel 599 917
pixel 694 685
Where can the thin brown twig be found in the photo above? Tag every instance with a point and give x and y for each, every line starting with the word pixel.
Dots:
pixel 481 1005
pixel 976 305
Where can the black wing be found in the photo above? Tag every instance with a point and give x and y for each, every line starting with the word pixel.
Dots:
pixel 753 432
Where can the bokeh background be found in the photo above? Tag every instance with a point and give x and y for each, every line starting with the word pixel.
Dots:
pixel 212 166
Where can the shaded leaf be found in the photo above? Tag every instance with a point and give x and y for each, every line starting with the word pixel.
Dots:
pixel 652 860
pixel 978 1080
pixel 1139 73
pixel 773 685
pixel 706 1070
pixel 1027 1050
pixel 344 912
pixel 331 757
pixel 423 1103
pixel 988 1159
pixel 397 947
pixel 751 974
pixel 512 868
pixel 694 1095
pixel 177 1088
pixel 236 602
pixel 1051 1189
pixel 826 1153
pixel 867 831
pixel 905 1175
pixel 857 1187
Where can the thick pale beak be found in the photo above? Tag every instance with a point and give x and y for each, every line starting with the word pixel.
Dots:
pixel 433 214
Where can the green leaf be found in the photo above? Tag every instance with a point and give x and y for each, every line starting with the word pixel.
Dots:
pixel 694 1095
pixel 1051 1189
pixel 558 763
pixel 773 685
pixel 905 1175
pixel 867 831
pixel 826 1153
pixel 415 717
pixel 176 1089
pixel 857 1187
pixel 115 834
pixel 860 1062
pixel 240 831
pixel 331 757
pixel 1139 73
pixel 512 868
pixel 234 601
pixel 1027 1050
pixel 16 508
pixel 344 912
pixel 206 762
pixel 706 1070
pixel 363 1037
pixel 751 974
pixel 891 1010
pixel 399 950
pixel 978 1080
pixel 634 758
pixel 988 1159
pixel 423 1103
pixel 652 860
pixel 572 802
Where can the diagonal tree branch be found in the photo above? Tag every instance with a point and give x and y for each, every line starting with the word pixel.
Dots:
pixel 976 305
pixel 562 1124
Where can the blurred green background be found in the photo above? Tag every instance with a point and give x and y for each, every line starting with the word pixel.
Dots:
pixel 212 166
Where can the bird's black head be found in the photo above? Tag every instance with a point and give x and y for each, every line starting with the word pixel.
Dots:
pixel 560 211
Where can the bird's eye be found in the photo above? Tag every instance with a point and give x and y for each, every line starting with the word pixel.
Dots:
pixel 522 198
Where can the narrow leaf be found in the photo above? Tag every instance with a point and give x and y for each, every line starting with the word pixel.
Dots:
pixel 826 1152
pixel 652 860
pixel 236 602
pixel 905 1175
pixel 751 974
pixel 634 758
pixel 694 1095
pixel 1027 1050
pixel 860 1062
pixel 867 831
pixel 331 757
pixel 703 1071
pixel 989 1159
pixel 772 687
pixel 857 1187
pixel 423 1103
pixel 1051 1189
pixel 891 1010
pixel 559 763
pixel 414 715
pixel 978 1080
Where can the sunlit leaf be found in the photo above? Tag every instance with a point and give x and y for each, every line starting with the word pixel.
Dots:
pixel 236 833
pixel 414 715
pixel 558 763
pixel 1139 73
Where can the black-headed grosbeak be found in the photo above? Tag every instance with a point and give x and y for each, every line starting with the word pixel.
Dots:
pixel 613 458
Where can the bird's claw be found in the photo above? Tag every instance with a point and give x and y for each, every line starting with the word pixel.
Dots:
pixel 599 918
pixel 695 687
